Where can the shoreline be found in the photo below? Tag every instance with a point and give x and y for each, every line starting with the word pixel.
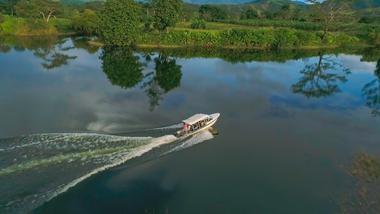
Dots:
pixel 160 46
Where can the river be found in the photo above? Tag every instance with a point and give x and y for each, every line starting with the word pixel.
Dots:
pixel 89 130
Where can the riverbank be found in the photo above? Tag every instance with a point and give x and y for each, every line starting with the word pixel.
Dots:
pixel 16 26
pixel 217 35
pixel 257 39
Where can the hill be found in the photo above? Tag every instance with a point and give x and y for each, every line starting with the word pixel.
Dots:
pixel 244 1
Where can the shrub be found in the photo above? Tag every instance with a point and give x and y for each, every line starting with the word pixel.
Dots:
pixel 198 24
pixel 374 37
pixel 166 13
pixel 2 18
pixel 86 23
pixel 254 38
pixel 119 22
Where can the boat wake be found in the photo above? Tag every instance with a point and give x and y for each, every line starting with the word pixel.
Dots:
pixel 174 126
pixel 196 139
pixel 53 163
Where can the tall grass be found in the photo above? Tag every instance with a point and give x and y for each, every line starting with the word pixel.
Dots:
pixel 32 27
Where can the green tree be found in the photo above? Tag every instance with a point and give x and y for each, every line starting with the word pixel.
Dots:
pixel 8 6
pixel 374 37
pixel 45 9
pixel 166 13
pixel 86 23
pixel 121 66
pixel 251 13
pixel 198 24
pixel 212 13
pixel 119 22
pixel 287 11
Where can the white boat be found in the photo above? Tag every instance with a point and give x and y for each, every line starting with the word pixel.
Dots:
pixel 197 123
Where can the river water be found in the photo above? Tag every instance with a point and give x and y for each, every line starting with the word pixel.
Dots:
pixel 89 130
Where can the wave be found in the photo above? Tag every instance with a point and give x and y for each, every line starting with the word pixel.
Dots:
pixel 196 139
pixel 54 163
pixel 174 126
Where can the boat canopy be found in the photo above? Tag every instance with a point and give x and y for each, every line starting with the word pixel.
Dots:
pixel 195 118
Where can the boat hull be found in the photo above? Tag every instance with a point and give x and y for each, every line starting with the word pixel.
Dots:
pixel 207 126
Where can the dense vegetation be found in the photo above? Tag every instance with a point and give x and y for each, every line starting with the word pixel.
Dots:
pixel 257 38
pixel 262 24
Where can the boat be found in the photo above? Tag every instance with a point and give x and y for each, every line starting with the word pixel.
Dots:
pixel 197 123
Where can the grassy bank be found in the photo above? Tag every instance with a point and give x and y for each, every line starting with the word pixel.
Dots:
pixel 217 35
pixel 34 27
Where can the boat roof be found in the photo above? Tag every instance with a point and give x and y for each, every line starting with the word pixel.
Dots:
pixel 195 118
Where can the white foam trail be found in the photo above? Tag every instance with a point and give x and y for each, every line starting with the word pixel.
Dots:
pixel 21 146
pixel 196 139
pixel 175 126
pixel 99 152
pixel 140 151
pixel 64 136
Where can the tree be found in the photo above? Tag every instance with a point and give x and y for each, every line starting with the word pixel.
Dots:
pixel 321 79
pixel 44 9
pixel 7 6
pixel 329 12
pixel 86 23
pixel 198 24
pixel 288 11
pixel 374 37
pixel 119 22
pixel 166 13
pixel 121 66
pixel 251 13
pixel 212 13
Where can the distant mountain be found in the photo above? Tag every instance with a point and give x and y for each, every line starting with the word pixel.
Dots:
pixel 277 2
pixel 244 1
pixel 218 1
pixel 360 4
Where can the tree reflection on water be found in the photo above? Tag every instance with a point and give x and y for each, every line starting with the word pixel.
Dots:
pixel 166 77
pixel 322 78
pixel 371 92
pixel 121 66
pixel 125 69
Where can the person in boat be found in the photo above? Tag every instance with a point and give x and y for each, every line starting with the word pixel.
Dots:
pixel 185 127
pixel 196 122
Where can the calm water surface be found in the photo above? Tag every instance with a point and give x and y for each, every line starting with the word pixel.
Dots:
pixel 291 126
